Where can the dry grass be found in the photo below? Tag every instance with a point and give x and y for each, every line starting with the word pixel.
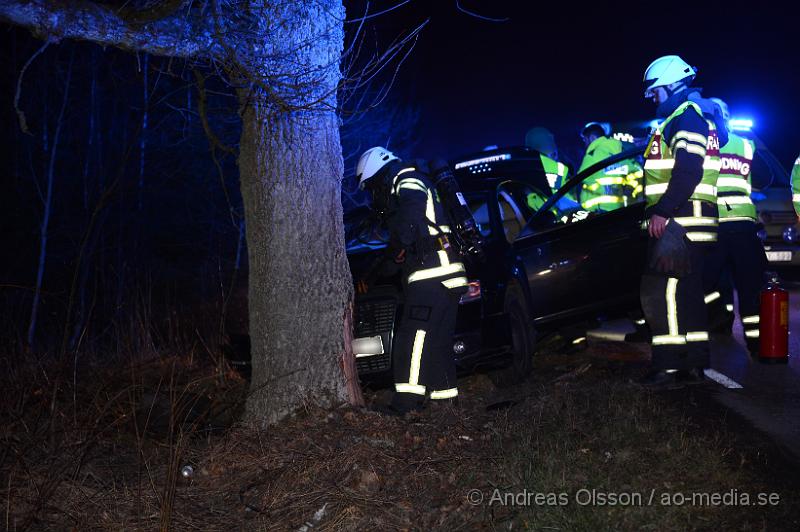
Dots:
pixel 605 438
pixel 108 456
pixel 103 453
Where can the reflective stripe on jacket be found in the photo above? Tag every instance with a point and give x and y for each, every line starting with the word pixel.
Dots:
pixel 660 158
pixel 734 185
pixel 555 172
pixel 611 187
pixel 419 228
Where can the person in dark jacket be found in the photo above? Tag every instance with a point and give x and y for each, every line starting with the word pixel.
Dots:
pixel 739 251
pixel 433 278
pixel 681 169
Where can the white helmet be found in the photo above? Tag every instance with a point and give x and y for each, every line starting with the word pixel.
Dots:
pixel 726 113
pixel 371 162
pixel 667 70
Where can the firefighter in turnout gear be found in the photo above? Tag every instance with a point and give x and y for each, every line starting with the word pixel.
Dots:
pixel 681 170
pixel 614 186
pixel 738 248
pixel 433 278
pixel 796 185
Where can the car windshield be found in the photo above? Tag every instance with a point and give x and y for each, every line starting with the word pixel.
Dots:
pixel 363 233
pixel 524 200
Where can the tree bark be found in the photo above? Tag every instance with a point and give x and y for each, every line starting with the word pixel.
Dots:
pixel 299 276
pixel 176 35
pixel 291 168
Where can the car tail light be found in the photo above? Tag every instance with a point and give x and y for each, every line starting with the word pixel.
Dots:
pixel 473 293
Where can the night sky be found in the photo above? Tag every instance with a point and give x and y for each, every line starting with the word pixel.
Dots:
pixel 561 64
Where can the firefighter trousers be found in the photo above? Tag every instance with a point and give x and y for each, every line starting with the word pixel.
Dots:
pixel 740 251
pixel 676 314
pixel 423 362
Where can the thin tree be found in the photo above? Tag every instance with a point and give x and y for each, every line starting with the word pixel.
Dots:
pixel 47 205
pixel 283 58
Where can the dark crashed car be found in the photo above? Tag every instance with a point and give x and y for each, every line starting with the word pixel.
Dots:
pixel 546 269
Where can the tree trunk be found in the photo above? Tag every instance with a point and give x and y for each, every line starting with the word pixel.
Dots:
pixel 48 207
pixel 143 132
pixel 300 288
pixel 290 165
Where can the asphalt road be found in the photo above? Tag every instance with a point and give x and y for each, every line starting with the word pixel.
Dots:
pixel 767 396
pixel 770 393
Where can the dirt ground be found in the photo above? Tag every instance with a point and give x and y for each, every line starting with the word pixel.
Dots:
pixel 577 447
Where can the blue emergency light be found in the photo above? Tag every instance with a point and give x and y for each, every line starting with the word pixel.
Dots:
pixel 741 124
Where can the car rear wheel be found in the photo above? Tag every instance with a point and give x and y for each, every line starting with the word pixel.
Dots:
pixel 522 346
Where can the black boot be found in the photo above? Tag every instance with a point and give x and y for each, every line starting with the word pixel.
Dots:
pixel 401 405
pixel 721 323
pixel 753 345
pixel 692 376
pixel 658 379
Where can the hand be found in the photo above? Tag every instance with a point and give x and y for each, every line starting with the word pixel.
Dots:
pixel 400 258
pixel 657 225
pixel 361 287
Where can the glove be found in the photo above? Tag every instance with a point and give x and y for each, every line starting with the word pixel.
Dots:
pixel 669 254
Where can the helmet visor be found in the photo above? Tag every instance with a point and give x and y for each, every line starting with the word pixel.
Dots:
pixel 650 87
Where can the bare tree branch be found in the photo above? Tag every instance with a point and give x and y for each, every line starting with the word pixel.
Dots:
pixel 23 123
pixel 201 107
pixel 178 35
pixel 378 14
pixel 358 77
pixel 478 16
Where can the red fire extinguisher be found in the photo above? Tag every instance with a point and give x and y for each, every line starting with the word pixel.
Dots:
pixel 774 323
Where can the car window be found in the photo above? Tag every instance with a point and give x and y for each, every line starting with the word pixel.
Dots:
pixel 761 175
pixel 517 202
pixel 480 212
pixel 510 215
pixel 594 191
pixel 610 188
pixel 568 205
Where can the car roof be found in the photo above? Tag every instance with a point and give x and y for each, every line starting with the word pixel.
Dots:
pixel 481 170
